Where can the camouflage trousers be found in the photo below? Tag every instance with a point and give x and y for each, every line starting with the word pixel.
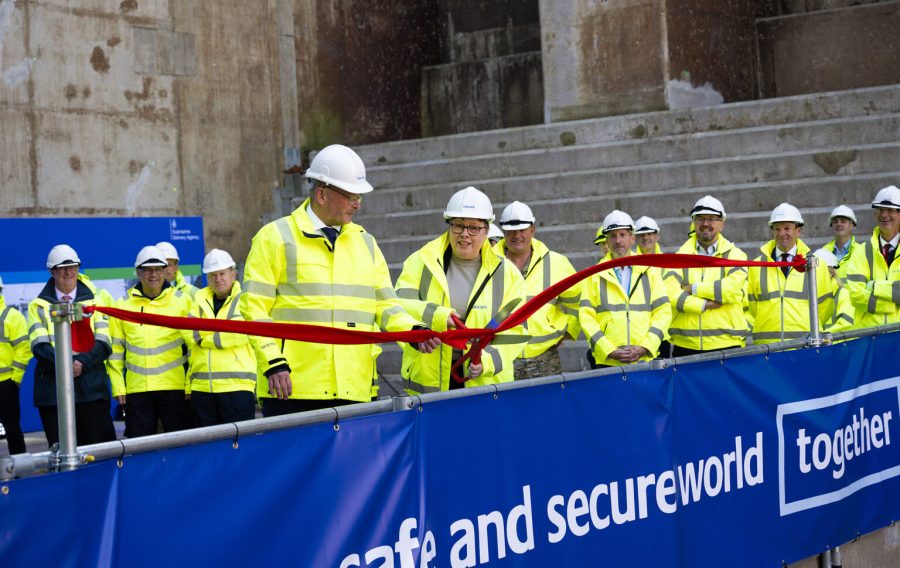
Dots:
pixel 547 363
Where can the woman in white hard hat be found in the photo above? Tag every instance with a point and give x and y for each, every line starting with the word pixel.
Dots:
pixel 458 274
pixel 223 368
pixel 646 232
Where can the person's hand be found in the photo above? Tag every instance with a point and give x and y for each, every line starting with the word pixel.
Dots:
pixel 77 367
pixel 620 354
pixel 711 305
pixel 687 288
pixel 429 345
pixel 450 323
pixel 637 352
pixel 121 398
pixel 475 370
pixel 280 385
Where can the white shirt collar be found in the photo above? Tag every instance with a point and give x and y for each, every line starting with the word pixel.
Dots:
pixel 894 242
pixel 60 294
pixel 316 222
pixel 791 253
pixel 707 251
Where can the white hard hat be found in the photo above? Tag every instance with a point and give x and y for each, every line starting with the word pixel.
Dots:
pixel 842 211
pixel 494 232
pixel 887 198
pixel 216 260
pixel 516 216
pixel 617 220
pixel 469 203
pixel 645 225
pixel 168 249
pixel 150 256
pixel 341 167
pixel 62 255
pixel 827 257
pixel 786 212
pixel 708 205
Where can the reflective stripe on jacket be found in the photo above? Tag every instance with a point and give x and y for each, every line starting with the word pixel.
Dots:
pixel 424 291
pixel 220 362
pixel 559 317
pixel 14 350
pixel 879 305
pixel 692 328
pixel 612 317
pixel 780 305
pixel 183 286
pixel 149 357
pixel 294 275
pixel 843 262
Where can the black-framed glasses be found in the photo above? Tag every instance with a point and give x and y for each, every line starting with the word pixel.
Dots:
pixel 348 196
pixel 472 230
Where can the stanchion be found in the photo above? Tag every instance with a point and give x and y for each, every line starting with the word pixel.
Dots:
pixel 62 316
pixel 815 336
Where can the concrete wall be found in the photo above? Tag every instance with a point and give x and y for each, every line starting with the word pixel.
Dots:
pixel 813 51
pixel 141 107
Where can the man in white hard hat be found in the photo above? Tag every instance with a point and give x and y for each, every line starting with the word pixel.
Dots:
pixel 779 301
pixel 708 303
pixel 149 363
pixel 317 267
pixel 92 405
pixel 624 312
pixel 540 267
pixel 837 303
pixel 14 358
pixel 223 366
pixel 842 221
pixel 495 235
pixel 646 232
pixel 173 273
pixel 459 274
pixel 873 271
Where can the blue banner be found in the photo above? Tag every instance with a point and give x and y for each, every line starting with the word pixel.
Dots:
pixel 107 248
pixel 745 462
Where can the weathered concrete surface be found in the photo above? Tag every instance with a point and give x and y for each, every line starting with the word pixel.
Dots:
pixel 141 107
pixel 830 50
pixel 879 549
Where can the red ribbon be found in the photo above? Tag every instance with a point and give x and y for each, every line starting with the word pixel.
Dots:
pixel 456 338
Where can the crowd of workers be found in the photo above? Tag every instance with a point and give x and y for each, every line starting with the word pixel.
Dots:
pixel 315 266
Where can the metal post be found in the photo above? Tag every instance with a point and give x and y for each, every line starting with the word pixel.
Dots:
pixel 837 561
pixel 62 316
pixel 815 337
pixel 825 559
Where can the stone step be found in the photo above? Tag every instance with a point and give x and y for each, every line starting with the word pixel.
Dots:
pixel 768 139
pixel 673 202
pixel 618 180
pixel 821 106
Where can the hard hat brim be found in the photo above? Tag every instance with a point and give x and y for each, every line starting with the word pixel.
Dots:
pixel 885 205
pixel 514 226
pixel 360 187
pixel 152 263
pixel 65 263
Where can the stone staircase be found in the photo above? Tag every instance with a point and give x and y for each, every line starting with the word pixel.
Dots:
pixel 813 151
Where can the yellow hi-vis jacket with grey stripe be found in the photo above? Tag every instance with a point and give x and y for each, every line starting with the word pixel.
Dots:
pixel 613 317
pixel 293 275
pixel 14 347
pixel 693 328
pixel 424 291
pixel 559 317
pixel 874 286
pixel 844 261
pixel 779 304
pixel 837 303
pixel 220 362
pixel 149 357
pixel 182 285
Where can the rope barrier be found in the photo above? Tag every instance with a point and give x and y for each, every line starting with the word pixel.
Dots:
pixel 456 338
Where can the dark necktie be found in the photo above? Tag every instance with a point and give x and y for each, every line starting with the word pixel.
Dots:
pixel 785 269
pixel 331 233
pixel 67 298
pixel 888 251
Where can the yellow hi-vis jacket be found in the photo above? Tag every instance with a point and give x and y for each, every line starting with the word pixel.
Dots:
pixel 220 362
pixel 41 327
pixel 780 305
pixel 182 285
pixel 693 328
pixel 656 249
pixel 844 261
pixel 424 291
pixel 14 347
pixel 148 357
pixel 613 317
pixel 837 303
pixel 294 275
pixel 874 286
pixel 558 318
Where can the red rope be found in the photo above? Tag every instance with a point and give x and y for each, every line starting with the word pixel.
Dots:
pixel 456 338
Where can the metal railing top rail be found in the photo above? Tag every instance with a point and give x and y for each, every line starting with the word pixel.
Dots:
pixel 22 465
